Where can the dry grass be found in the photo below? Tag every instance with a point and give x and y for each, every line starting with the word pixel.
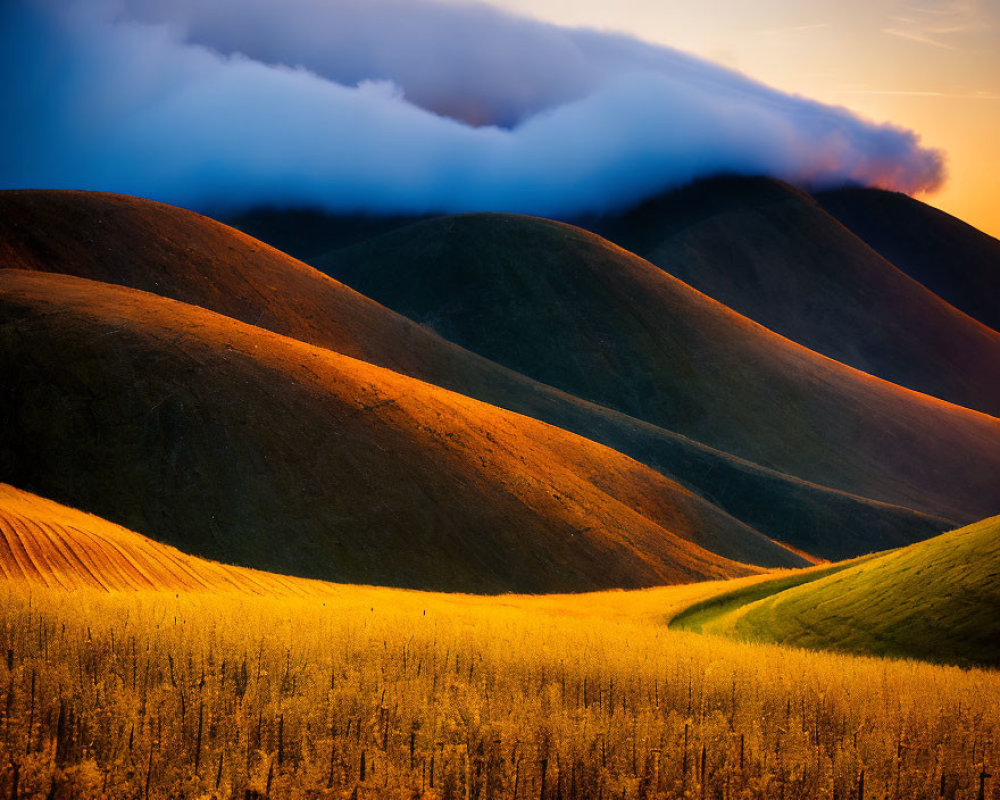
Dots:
pixel 201 694
pixel 225 680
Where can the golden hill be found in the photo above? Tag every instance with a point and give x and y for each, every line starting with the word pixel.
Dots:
pixel 52 545
pixel 570 309
pixel 188 257
pixel 238 444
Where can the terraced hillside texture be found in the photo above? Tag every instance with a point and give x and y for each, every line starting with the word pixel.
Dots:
pixel 936 600
pixel 238 444
pixel 951 258
pixel 185 256
pixel 570 309
pixel 46 544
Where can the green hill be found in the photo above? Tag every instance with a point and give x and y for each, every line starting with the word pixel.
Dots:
pixel 937 600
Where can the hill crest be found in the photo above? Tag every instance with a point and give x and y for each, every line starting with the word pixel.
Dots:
pixel 223 438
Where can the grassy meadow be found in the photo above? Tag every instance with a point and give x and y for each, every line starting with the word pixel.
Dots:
pixel 363 692
pixel 937 600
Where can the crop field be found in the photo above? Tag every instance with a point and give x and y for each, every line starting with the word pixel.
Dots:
pixel 362 692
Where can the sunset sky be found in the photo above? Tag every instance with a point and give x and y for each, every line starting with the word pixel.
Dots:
pixel 548 107
pixel 933 66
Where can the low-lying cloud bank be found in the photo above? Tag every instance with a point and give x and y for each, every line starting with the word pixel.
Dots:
pixel 397 106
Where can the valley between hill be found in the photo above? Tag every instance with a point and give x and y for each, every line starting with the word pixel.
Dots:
pixel 185 256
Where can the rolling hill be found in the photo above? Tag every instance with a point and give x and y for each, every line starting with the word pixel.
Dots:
pixel 951 258
pixel 48 544
pixel 935 600
pixel 185 256
pixel 188 257
pixel 569 309
pixel 773 254
pixel 241 445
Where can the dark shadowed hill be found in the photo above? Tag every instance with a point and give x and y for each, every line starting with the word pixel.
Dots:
pixel 565 307
pixel 774 255
pixel 235 443
pixel 186 256
pixel 307 234
pixel 954 260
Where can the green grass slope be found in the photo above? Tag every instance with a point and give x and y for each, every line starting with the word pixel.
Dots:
pixel 937 600
pixel 951 258
pixel 188 257
pixel 570 309
pixel 775 255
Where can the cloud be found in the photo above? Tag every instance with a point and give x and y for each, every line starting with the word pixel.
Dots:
pixel 919 37
pixel 393 106
pixel 936 23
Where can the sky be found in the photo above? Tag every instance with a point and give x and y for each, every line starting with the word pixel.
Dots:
pixel 932 66
pixel 444 105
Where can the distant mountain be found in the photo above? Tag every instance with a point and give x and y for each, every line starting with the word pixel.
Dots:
pixel 774 255
pixel 935 600
pixel 188 257
pixel 234 443
pixel 568 308
pixel 954 260
pixel 308 235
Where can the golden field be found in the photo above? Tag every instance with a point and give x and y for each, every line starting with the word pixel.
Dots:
pixel 392 693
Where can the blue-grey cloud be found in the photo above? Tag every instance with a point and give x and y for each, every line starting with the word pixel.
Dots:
pixel 398 106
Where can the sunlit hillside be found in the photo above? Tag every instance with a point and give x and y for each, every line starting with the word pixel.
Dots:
pixel 938 600
pixel 184 256
pixel 238 444
pixel 406 694
pixel 49 545
pixel 249 685
pixel 572 310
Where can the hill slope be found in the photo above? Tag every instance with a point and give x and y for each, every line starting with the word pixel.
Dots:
pixel 188 257
pixel 42 542
pixel 954 260
pixel 569 309
pixel 935 600
pixel 774 255
pixel 238 444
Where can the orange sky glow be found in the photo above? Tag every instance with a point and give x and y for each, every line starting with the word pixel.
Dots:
pixel 932 66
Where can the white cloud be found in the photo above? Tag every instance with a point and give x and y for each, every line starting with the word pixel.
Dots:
pixel 389 106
